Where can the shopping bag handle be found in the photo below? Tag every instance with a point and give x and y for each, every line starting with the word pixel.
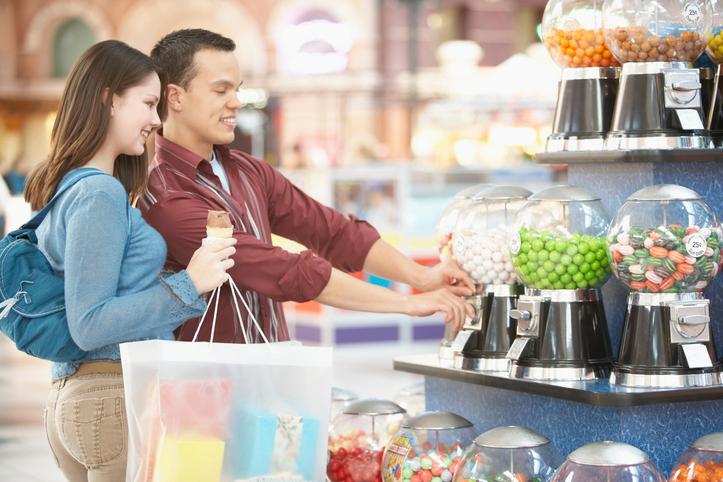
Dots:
pixel 248 310
pixel 235 295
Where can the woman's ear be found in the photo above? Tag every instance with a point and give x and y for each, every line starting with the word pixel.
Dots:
pixel 105 97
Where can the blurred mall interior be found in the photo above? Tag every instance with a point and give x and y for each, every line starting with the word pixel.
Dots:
pixel 595 305
pixel 381 108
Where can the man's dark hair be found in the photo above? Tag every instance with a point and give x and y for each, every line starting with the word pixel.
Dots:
pixel 173 57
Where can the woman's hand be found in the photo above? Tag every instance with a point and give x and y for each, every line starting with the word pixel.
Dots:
pixel 455 309
pixel 208 265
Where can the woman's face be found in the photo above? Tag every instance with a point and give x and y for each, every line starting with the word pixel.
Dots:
pixel 134 116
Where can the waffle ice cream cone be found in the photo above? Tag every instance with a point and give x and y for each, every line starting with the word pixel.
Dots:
pixel 218 225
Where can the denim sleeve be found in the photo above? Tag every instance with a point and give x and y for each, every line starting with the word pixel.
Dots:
pixel 96 232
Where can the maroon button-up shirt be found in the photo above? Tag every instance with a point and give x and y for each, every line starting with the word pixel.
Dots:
pixel 182 188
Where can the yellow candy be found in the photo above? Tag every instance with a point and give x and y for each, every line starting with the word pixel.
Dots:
pixel 715 47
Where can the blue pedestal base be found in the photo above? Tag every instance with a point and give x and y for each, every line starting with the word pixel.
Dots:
pixel 664 430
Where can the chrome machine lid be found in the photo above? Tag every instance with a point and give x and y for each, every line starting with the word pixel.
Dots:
pixel 608 454
pixel 564 194
pixel 712 442
pixel 665 192
pixel 373 407
pixel 437 421
pixel 343 395
pixel 511 437
pixel 502 193
pixel 471 192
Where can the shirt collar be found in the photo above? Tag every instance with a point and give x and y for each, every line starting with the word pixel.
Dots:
pixel 179 157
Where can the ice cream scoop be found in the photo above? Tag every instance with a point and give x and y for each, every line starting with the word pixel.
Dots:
pixel 218 225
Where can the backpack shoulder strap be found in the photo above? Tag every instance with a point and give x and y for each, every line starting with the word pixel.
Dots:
pixel 70 182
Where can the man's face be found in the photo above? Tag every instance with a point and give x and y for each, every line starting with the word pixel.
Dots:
pixel 209 103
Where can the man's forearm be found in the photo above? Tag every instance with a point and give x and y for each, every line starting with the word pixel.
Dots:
pixel 388 262
pixel 349 293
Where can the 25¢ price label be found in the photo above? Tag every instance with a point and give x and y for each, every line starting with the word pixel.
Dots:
pixel 696 245
pixel 692 12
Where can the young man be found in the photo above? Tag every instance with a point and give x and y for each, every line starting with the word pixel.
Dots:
pixel 194 171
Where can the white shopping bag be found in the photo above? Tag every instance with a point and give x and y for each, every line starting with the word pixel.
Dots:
pixel 211 412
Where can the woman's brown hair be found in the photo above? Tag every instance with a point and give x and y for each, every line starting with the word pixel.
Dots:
pixel 107 68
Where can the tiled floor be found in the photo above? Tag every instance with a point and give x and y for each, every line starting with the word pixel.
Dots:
pixel 24 382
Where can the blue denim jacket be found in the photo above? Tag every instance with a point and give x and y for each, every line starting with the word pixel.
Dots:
pixel 112 294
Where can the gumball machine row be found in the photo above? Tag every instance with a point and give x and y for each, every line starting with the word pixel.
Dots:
pixel 664 245
pixel 654 101
pixel 441 447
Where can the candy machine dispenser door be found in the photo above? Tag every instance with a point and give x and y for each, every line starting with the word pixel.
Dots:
pixel 468 340
pixel 530 317
pixel 683 89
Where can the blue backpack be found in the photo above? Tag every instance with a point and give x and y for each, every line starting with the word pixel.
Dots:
pixel 32 295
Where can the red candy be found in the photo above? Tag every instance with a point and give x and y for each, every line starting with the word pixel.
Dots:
pixel 355 465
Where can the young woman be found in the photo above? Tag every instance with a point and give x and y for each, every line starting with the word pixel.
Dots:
pixel 111 259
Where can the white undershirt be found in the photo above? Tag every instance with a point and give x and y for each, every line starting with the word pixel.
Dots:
pixel 220 172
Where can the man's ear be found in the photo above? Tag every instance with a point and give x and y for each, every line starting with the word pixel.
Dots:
pixel 174 97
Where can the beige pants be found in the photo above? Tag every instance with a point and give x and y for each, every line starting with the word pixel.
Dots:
pixel 85 421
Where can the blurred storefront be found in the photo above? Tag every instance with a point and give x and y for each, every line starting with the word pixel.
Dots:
pixel 327 82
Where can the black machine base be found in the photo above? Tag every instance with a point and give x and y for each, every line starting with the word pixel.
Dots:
pixel 585 104
pixel 648 117
pixel 654 351
pixel 496 331
pixel 572 341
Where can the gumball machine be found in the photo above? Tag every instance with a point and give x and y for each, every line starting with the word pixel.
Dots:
pixel 608 462
pixel 665 246
pixel 480 248
pixel 715 52
pixel 412 398
pixel 357 438
pixel 559 252
pixel 443 234
pixel 702 461
pixel 659 103
pixel 508 454
pixel 340 399
pixel 427 446
pixel 572 31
